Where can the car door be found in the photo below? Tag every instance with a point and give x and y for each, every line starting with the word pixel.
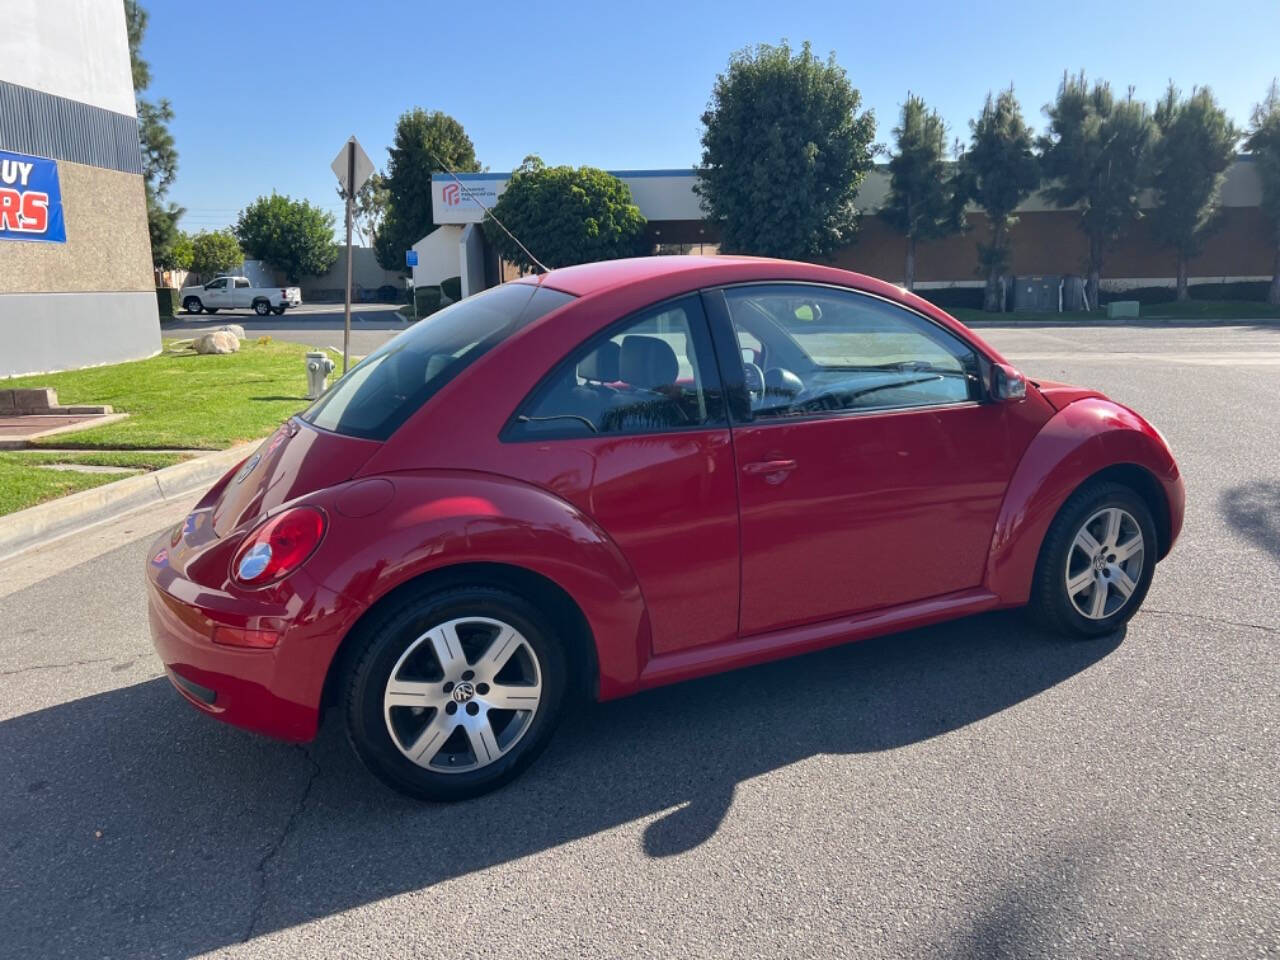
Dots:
pixel 242 293
pixel 870 465
pixel 216 293
pixel 631 429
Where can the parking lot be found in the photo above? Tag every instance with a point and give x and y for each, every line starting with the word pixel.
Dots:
pixel 976 789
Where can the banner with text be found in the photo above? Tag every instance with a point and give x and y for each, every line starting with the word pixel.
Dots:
pixel 30 199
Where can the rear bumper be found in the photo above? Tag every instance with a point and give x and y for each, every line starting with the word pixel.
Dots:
pixel 277 691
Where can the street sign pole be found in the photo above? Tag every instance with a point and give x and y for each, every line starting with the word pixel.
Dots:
pixel 352 167
pixel 351 179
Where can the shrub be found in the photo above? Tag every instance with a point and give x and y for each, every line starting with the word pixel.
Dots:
pixel 428 300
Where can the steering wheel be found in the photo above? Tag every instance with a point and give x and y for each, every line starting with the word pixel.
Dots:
pixel 753 376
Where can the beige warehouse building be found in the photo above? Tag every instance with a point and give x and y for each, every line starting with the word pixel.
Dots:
pixel 76 285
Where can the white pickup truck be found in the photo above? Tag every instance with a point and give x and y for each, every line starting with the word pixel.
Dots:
pixel 236 293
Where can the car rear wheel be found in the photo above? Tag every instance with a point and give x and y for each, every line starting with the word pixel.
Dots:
pixel 192 305
pixel 1096 563
pixel 262 308
pixel 455 693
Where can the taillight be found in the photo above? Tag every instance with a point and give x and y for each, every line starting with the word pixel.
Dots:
pixel 278 547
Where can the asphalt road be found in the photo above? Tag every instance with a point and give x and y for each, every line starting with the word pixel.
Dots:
pixel 316 325
pixel 975 789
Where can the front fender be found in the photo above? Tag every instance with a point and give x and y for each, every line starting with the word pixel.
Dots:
pixel 1082 439
pixel 440 518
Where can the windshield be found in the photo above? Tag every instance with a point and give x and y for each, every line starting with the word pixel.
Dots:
pixel 386 387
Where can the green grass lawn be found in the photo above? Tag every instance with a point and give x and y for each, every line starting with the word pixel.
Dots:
pixel 182 400
pixel 1188 310
pixel 24 484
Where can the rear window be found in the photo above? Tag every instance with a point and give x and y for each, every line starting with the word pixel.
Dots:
pixel 386 387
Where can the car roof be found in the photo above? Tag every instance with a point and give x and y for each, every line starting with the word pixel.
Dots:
pixel 588 278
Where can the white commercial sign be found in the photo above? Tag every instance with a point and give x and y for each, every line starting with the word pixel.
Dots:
pixel 455 201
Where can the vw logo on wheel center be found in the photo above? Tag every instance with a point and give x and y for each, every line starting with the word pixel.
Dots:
pixel 464 691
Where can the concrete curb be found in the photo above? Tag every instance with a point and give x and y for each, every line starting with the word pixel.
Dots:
pixel 48 521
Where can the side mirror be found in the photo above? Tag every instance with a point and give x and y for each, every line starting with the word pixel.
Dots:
pixel 1007 384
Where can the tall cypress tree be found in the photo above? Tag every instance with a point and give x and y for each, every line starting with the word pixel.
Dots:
pixel 923 202
pixel 998 171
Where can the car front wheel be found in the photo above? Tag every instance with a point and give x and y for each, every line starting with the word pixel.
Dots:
pixel 192 305
pixel 1096 563
pixel 455 693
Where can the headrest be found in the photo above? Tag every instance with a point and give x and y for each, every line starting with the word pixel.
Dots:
pixel 601 364
pixel 648 362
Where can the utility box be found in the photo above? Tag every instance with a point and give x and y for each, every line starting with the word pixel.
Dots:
pixel 319 366
pixel 1122 308
pixel 1036 294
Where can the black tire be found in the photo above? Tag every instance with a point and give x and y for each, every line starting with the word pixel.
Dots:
pixel 1051 605
pixel 192 305
pixel 384 640
pixel 212 310
pixel 278 311
pixel 262 308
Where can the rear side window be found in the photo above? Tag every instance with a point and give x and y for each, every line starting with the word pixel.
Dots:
pixel 651 374
pixel 386 387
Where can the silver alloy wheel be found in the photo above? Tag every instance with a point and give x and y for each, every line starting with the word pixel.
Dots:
pixel 1104 563
pixel 463 694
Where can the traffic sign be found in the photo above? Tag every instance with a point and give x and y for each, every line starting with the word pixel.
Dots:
pixel 353 166
pixel 411 258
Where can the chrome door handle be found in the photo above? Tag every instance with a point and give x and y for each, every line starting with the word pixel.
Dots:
pixel 773 471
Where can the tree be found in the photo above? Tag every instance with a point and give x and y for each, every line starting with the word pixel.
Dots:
pixel 1097 154
pixel 923 202
pixel 565 216
pixel 784 150
pixel 179 254
pixel 1264 145
pixel 997 172
pixel 1197 143
pixel 370 209
pixel 159 153
pixel 425 143
pixel 214 252
pixel 291 235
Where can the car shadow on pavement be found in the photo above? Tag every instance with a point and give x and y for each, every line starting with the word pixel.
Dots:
pixel 1254 510
pixel 132 825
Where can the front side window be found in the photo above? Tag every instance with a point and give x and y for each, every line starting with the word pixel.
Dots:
pixel 808 350
pixel 217 284
pixel 381 391
pixel 649 374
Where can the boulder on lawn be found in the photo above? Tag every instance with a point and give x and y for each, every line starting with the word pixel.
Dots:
pixel 232 328
pixel 220 341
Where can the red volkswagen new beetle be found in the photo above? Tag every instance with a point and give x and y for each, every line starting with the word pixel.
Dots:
pixel 626 474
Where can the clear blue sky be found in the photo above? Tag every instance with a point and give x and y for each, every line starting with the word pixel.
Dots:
pixel 265 93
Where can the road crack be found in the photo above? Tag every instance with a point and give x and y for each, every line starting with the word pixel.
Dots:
pixel 55 666
pixel 1208 619
pixel 260 872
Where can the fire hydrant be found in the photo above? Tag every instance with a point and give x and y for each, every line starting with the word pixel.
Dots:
pixel 319 366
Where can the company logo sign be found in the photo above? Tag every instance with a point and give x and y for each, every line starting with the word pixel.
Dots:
pixel 465 201
pixel 30 199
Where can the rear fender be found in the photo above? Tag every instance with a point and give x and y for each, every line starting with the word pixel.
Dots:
pixel 1080 441
pixel 436 519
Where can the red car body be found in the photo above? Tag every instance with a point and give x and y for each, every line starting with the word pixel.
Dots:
pixel 679 554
